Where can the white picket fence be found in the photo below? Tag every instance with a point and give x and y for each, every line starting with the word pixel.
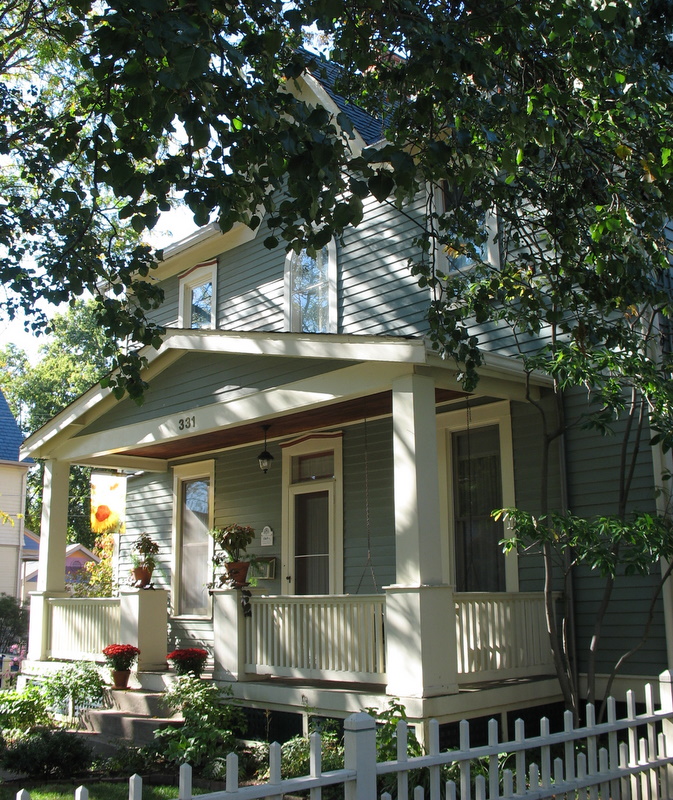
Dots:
pixel 625 759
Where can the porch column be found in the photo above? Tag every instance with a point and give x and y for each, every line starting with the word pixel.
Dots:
pixel 144 623
pixel 51 572
pixel 420 609
pixel 416 482
pixel 228 635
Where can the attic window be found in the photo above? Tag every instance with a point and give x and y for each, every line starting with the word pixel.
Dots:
pixel 198 295
pixel 310 291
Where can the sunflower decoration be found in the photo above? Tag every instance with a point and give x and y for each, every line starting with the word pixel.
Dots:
pixel 104 519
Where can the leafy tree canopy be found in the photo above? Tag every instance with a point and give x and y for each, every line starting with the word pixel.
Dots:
pixel 557 114
pixel 71 362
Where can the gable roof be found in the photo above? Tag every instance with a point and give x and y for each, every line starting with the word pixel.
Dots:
pixel 326 73
pixel 10 433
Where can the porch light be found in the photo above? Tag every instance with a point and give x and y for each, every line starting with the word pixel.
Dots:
pixel 265 458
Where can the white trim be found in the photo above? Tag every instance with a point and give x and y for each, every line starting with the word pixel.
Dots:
pixel 480 416
pixel 334 486
pixel 331 289
pixel 181 473
pixel 191 280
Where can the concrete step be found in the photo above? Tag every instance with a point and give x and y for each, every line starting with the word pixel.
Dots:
pixel 138 703
pixel 114 724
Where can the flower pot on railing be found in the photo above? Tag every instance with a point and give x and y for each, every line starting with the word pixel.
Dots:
pixel 237 573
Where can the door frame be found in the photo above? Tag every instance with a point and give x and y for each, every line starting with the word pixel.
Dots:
pixel 313 443
pixel 452 421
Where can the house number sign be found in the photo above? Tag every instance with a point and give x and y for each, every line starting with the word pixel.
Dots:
pixel 186 423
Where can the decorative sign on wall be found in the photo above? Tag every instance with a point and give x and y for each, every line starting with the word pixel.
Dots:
pixel 266 536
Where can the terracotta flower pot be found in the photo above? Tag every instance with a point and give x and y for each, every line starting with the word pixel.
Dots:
pixel 120 678
pixel 142 576
pixel 237 572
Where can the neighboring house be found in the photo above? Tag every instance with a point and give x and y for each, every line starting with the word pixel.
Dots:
pixel 76 556
pixel 12 501
pixel 382 572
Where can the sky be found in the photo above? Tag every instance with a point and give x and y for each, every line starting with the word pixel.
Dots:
pixel 172 227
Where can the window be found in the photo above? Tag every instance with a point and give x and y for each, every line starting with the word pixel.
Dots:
pixel 310 291
pixel 198 296
pixel 453 201
pixel 313 515
pixel 192 546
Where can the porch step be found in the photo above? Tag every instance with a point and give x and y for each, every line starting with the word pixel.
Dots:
pixel 133 717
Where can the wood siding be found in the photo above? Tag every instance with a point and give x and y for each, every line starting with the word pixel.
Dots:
pixel 200 379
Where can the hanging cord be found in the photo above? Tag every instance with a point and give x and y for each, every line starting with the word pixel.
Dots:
pixel 368 562
pixel 469 559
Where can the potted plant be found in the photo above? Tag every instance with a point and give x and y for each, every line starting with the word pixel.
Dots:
pixel 120 658
pixel 233 540
pixel 188 659
pixel 143 554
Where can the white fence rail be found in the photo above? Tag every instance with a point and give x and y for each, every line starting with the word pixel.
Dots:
pixel 79 628
pixel 317 637
pixel 615 760
pixel 501 635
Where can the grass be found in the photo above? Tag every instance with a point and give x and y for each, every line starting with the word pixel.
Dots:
pixel 97 791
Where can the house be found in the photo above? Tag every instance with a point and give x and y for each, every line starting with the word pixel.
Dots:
pixel 76 556
pixel 12 501
pixel 382 577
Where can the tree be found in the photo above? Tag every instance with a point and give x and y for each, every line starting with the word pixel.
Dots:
pixel 70 364
pixel 13 623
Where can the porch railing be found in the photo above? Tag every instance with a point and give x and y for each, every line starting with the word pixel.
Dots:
pixel 338 637
pixel 501 635
pixel 80 627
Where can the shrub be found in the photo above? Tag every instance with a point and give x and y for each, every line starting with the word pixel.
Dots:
pixel 47 753
pixel 77 686
pixel 21 711
pixel 13 622
pixel 211 723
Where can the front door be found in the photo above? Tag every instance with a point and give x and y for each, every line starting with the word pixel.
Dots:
pixel 477 491
pixel 313 515
pixel 311 542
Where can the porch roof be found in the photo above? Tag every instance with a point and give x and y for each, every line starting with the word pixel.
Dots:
pixel 350 378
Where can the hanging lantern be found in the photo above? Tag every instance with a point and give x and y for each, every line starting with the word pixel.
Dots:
pixel 265 458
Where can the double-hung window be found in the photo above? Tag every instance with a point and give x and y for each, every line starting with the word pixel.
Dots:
pixel 310 291
pixel 198 295
pixel 452 200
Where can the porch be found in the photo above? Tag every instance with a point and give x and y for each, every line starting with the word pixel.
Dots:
pixel 347 645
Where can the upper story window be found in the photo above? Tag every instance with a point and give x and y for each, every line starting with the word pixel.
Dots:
pixel 452 198
pixel 198 294
pixel 310 291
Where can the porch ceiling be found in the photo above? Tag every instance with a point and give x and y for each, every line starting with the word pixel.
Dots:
pixel 375 405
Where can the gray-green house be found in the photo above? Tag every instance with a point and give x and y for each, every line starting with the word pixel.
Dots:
pixel 380 570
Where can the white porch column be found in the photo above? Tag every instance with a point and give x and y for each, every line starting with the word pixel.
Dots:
pixel 51 572
pixel 144 623
pixel 420 610
pixel 229 635
pixel 416 482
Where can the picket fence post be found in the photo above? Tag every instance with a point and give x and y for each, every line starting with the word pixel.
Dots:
pixel 666 705
pixel 360 755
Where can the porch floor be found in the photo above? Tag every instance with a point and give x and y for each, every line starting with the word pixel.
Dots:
pixel 341 698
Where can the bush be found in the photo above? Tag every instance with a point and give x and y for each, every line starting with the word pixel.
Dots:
pixel 74 687
pixel 21 711
pixel 211 724
pixel 13 622
pixel 47 753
